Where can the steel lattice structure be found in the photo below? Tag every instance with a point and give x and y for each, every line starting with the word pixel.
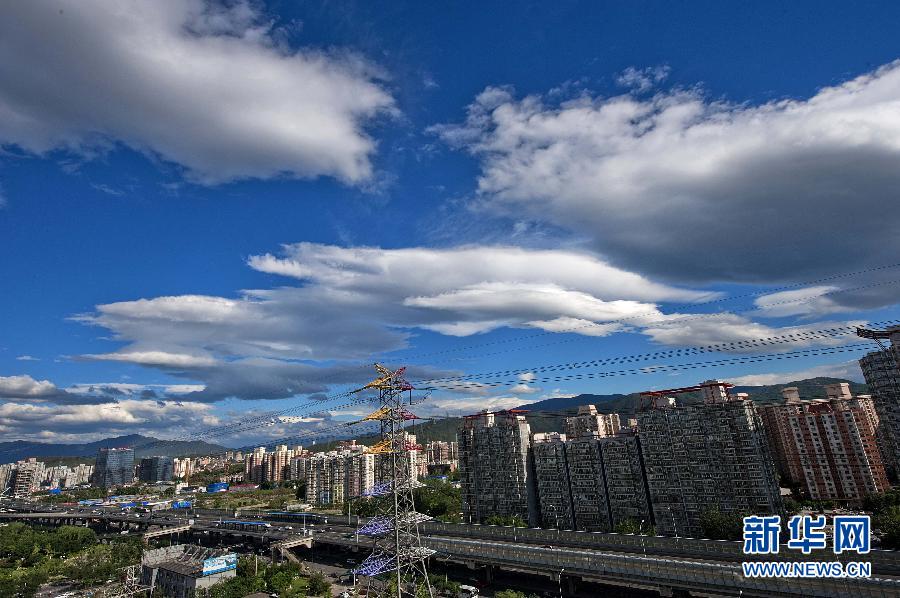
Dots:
pixel 397 565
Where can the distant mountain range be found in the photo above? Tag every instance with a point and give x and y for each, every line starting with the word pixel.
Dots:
pixel 143 446
pixel 624 404
pixel 441 429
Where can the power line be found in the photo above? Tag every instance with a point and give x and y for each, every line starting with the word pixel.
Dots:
pixel 803 336
pixel 477 384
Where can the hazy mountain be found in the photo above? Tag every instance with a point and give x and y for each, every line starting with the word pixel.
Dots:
pixel 143 446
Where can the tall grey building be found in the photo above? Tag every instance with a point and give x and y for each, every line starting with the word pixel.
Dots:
pixel 495 467
pixel 114 467
pixel 624 479
pixel 551 474
pixel 593 481
pixel 708 456
pixel 882 375
pixel 156 469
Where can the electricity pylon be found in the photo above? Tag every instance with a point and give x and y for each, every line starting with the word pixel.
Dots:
pixel 397 547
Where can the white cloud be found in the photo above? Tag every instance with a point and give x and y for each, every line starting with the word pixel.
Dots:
pixel 204 85
pixel 527 376
pixel 354 303
pixel 53 422
pixel 155 358
pixel 694 189
pixel 848 370
pixel 785 303
pixel 26 358
pixel 26 387
pixel 524 389
pixel 641 80
pixel 678 330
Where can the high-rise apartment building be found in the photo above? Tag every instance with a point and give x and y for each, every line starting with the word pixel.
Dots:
pixel 591 482
pixel 624 480
pixel 712 455
pixel 441 457
pixel 882 374
pixel 588 422
pixel 261 466
pixel 551 478
pixel 156 469
pixel 338 475
pixel 828 446
pixel 255 466
pixel 495 467
pixel 114 467
pixel 183 468
pixel 26 477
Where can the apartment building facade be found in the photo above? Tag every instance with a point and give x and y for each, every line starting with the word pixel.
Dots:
pixel 881 370
pixel 828 447
pixel 712 455
pixel 495 466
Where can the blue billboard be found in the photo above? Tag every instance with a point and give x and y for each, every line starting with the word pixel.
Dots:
pixel 182 504
pixel 217 564
pixel 217 487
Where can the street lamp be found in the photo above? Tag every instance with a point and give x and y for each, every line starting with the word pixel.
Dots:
pixel 560 581
pixel 641 532
pixel 674 526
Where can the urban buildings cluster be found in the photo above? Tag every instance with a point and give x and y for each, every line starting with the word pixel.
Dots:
pixel 346 472
pixel 674 462
pixel 23 477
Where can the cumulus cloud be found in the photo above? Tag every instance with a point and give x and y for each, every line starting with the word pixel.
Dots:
pixel 524 389
pixel 693 189
pixel 353 303
pixel 25 388
pixel 26 358
pixel 55 422
pixel 204 85
pixel 467 290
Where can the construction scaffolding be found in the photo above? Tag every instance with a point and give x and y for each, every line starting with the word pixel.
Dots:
pixel 397 565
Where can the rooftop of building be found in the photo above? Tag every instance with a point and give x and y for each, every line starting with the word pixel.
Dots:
pixel 183 559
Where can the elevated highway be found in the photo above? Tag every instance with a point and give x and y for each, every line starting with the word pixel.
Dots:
pixel 666 565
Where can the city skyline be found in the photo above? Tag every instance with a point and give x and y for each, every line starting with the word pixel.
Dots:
pixel 237 209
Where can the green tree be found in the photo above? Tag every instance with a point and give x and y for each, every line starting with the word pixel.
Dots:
pixel 69 539
pixel 888 523
pixel 318 585
pixel 633 526
pixel 717 525
pixel 506 520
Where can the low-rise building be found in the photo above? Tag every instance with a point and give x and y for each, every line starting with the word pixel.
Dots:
pixel 184 570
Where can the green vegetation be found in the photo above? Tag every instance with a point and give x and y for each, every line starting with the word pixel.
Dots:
pixel 513 594
pixel 30 557
pixel 717 525
pixel 633 526
pixel 885 508
pixel 436 499
pixel 507 520
pixel 287 580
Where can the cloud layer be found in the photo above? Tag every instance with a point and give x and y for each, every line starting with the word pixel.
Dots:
pixel 206 86
pixel 692 189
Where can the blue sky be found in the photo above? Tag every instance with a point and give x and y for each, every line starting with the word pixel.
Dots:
pixel 209 210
